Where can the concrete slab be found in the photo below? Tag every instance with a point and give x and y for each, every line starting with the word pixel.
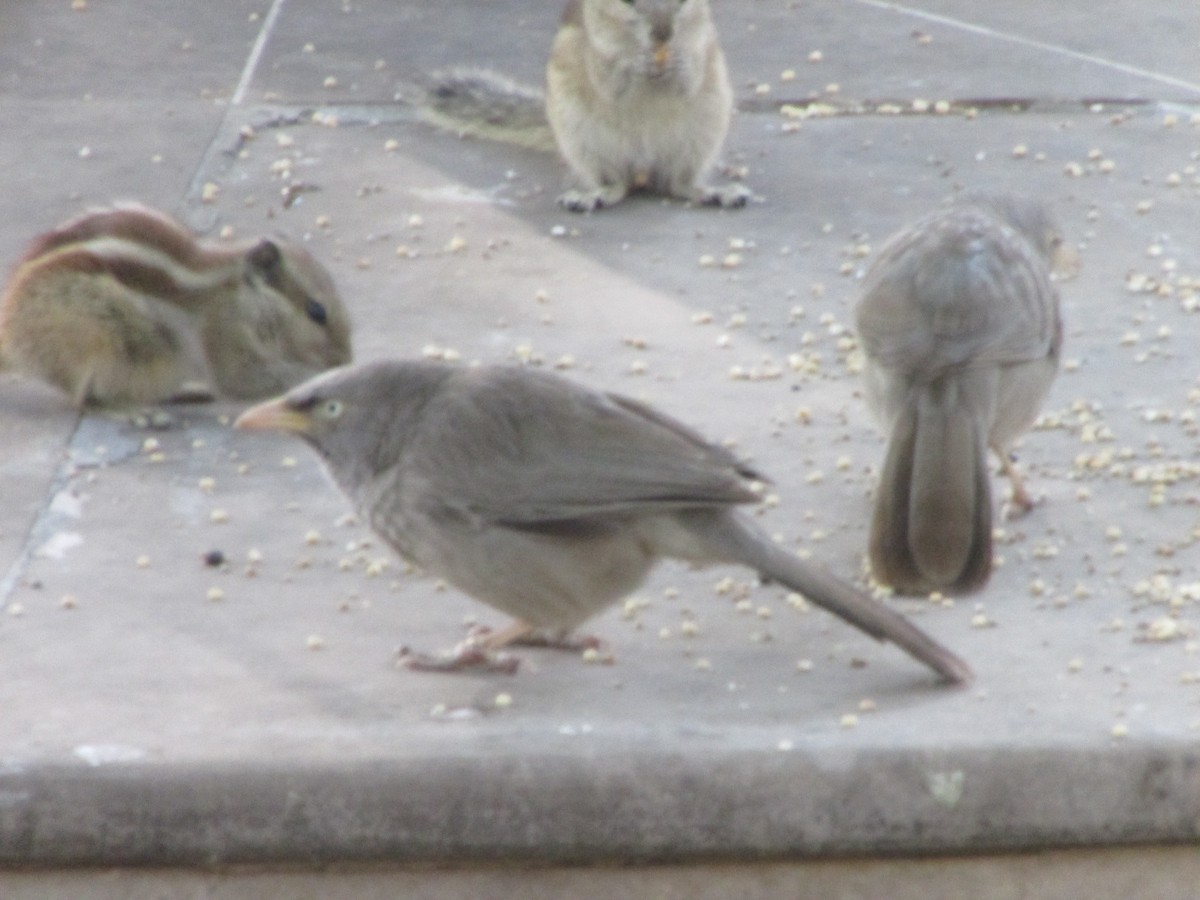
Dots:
pixel 172 712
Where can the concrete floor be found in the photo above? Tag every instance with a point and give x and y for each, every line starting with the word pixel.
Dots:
pixel 149 726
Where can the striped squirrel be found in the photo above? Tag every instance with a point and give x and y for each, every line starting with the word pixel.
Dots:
pixel 124 306
pixel 637 98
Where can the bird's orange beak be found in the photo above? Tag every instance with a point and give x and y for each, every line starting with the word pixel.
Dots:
pixel 274 415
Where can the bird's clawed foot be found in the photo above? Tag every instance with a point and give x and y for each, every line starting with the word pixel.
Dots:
pixel 1021 501
pixel 1019 504
pixel 548 638
pixel 482 650
pixel 468 656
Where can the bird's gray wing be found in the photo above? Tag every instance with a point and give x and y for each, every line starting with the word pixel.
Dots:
pixel 519 448
pixel 958 288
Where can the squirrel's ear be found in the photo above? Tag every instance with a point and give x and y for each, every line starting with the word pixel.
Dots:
pixel 265 256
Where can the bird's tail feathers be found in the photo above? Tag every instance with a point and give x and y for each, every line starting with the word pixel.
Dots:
pixel 950 506
pixel 932 524
pixel 737 539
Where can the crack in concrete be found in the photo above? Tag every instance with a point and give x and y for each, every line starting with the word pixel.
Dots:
pixel 53 516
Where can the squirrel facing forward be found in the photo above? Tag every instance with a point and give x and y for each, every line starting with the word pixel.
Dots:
pixel 125 306
pixel 637 98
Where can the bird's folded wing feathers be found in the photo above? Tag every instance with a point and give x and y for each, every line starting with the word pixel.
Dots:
pixel 939 298
pixel 546 451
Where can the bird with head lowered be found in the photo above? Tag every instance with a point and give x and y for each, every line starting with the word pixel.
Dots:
pixel 545 499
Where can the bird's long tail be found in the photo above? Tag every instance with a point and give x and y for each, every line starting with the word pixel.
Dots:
pixel 737 539
pixel 932 524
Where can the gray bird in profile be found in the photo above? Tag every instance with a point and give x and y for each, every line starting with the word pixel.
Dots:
pixel 960 325
pixel 545 499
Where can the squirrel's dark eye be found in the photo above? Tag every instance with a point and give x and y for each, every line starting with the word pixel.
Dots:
pixel 316 311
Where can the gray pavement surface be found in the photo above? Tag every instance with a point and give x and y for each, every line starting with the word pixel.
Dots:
pixel 148 723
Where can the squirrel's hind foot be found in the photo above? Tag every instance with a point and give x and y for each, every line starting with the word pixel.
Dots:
pixel 727 196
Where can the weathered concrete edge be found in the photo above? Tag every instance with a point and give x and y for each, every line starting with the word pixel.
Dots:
pixel 604 805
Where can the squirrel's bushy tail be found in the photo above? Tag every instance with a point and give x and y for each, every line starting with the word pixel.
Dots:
pixel 485 104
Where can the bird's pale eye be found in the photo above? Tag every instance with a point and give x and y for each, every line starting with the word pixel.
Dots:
pixel 330 409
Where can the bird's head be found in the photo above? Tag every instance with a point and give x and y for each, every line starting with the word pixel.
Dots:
pixel 313 410
pixel 357 417
pixel 1034 219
